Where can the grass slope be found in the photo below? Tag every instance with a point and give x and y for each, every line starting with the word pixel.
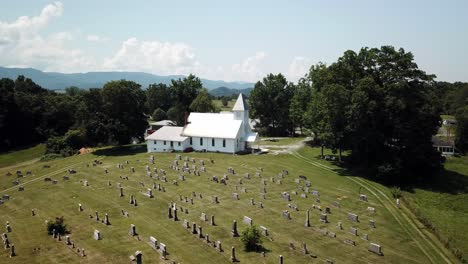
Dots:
pixel 396 231
pixel 19 156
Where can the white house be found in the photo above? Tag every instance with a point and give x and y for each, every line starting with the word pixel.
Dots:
pixel 228 132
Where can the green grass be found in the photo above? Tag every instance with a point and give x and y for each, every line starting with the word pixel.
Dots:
pixel 229 107
pixel 395 230
pixel 16 157
pixel 443 205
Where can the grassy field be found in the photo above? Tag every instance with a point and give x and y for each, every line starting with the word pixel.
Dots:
pixel 15 157
pixel 403 239
pixel 229 107
pixel 443 205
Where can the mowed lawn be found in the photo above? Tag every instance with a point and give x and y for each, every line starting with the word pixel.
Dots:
pixel 396 230
pixel 444 204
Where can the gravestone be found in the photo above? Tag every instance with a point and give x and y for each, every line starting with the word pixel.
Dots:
pixel 149 193
pixel 186 224
pixel 169 212
pixel 234 229
pixel 339 226
pixel 353 231
pixel 80 208
pixel 375 248
pixel 372 223
pixel 327 210
pixel 371 209
pixel 132 231
pixel 194 228
pixel 235 196
pixel 324 218
pixel 280 259
pixel 363 197
pixel 315 193
pixel 365 237
pixel 248 220
pixel 203 217
pixel 212 220
pixel 97 235
pixel 307 221
pixel 353 217
pixel 200 232
pixel 264 230
pixel 219 246
pixel 176 218
pixel 233 254
pixel 121 194
pixel 67 240
pixel 331 234
pixel 286 215
pixel 85 183
pixel 303 195
pixel 350 242
pixel 304 248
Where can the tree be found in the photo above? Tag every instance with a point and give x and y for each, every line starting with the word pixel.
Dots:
pixel 177 115
pixel 270 102
pixel 224 101
pixel 251 238
pixel 159 115
pixel 123 104
pixel 158 96
pixel 370 103
pixel 183 92
pixel 202 103
pixel 461 138
pixel 299 102
pixel 58 225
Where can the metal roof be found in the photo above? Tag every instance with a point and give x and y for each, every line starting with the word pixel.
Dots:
pixel 168 133
pixel 213 125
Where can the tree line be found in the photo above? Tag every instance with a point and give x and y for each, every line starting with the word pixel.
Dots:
pixel 376 104
pixel 114 114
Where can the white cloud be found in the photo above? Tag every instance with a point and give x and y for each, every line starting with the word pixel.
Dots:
pixel 21 43
pixel 153 56
pixel 250 69
pixel 298 68
pixel 96 38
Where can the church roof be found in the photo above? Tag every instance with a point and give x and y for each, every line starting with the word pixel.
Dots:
pixel 212 125
pixel 241 104
pixel 169 133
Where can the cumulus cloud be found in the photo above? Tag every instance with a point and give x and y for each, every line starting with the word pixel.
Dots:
pixel 250 69
pixel 153 56
pixel 22 43
pixel 298 68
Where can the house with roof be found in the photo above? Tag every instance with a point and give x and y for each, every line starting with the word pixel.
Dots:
pixel 227 132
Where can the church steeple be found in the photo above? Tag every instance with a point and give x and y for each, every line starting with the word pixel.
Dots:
pixel 241 104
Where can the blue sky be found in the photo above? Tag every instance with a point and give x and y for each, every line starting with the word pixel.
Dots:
pixel 228 40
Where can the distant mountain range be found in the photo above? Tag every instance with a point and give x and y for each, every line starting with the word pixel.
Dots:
pixel 60 81
pixel 224 91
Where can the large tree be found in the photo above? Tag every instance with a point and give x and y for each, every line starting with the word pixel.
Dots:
pixel 203 103
pixel 270 103
pixel 183 92
pixel 123 104
pixel 158 96
pixel 389 108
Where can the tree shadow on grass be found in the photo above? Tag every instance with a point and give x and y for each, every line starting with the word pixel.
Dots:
pixel 121 150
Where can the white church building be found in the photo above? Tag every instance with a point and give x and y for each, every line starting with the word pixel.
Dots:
pixel 227 132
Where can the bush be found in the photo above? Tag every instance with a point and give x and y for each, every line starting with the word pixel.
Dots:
pixel 251 238
pixel 158 115
pixel 50 156
pixel 67 145
pixel 59 226
pixel 396 192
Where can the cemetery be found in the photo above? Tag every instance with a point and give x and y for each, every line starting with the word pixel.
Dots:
pixel 138 207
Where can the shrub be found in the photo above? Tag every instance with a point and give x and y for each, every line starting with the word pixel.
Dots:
pixel 50 156
pixel 251 238
pixel 59 226
pixel 396 192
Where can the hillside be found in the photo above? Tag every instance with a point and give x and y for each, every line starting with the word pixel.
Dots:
pixel 402 239
pixel 224 91
pixel 60 81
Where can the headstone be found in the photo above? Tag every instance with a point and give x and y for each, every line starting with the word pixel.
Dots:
pixel 67 240
pixel 219 246
pixel 212 220
pixel 365 237
pixel 234 229
pixel 233 254
pixel 315 193
pixel 215 199
pixel 307 222
pixel 153 242
pixel 363 197
pixel 203 217
pixel 248 220
pixel 353 231
pixel 186 224
pixel 85 183
pixel 175 215
pixel 372 223
pixel 132 231
pixel 339 226
pixel 375 248
pixel 371 209
pixel 280 259
pixel 350 242
pixel 327 210
pixel 331 234
pixel 97 235
pixel 80 208
pixel 149 193
pixel 200 232
pixel 286 215
pixel 12 251
pixel 324 218
pixel 353 217
pixel 121 194
pixel 169 212
pixel 33 213
pixel 304 248
pixel 194 228
pixel 235 196
pixel 264 230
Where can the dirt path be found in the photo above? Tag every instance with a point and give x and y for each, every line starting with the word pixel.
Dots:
pixel 426 241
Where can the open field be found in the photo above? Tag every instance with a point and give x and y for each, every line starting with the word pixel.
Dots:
pixel 403 239
pixel 443 204
pixel 229 107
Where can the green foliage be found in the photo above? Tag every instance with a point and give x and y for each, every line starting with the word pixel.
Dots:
pixel 158 96
pixel 159 115
pixel 461 138
pixel 396 192
pixel 202 103
pixel 59 226
pixel 50 156
pixel 370 103
pixel 251 238
pixel 66 145
pixel 269 101
pixel 224 101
